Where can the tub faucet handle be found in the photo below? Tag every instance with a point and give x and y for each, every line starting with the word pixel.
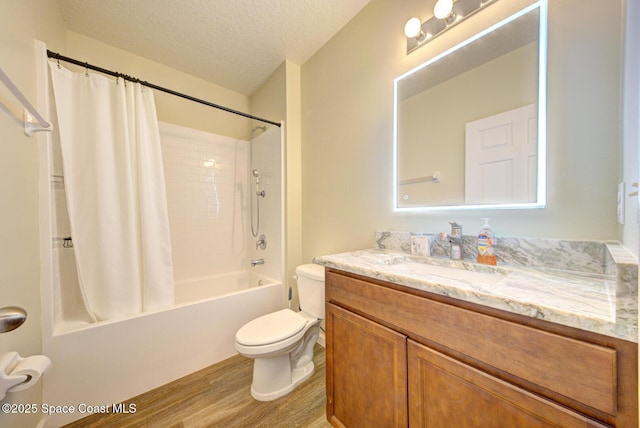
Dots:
pixel 262 242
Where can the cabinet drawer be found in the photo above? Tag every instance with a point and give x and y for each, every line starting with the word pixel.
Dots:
pixel 444 392
pixel 578 370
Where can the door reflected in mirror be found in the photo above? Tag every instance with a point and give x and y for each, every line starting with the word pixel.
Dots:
pixel 469 124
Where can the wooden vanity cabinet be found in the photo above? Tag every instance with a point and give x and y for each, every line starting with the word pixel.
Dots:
pixel 399 357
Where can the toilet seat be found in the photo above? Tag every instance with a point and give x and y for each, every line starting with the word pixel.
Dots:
pixel 271 328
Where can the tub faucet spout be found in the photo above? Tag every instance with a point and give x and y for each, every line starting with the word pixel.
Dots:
pixel 255 262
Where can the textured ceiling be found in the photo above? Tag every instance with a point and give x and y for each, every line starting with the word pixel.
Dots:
pixel 236 44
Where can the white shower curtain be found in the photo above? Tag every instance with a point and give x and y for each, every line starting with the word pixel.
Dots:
pixel 115 190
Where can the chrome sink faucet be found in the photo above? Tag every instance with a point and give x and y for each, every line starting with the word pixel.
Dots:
pixel 455 239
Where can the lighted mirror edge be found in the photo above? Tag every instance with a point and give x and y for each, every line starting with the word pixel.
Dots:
pixel 531 205
pixel 542 119
pixel 542 103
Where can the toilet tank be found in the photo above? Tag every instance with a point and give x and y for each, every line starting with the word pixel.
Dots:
pixel 310 280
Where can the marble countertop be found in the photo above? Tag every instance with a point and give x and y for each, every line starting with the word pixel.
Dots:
pixel 588 301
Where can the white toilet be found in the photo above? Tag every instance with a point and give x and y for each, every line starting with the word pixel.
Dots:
pixel 282 342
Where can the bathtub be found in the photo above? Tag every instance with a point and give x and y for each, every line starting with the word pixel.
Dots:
pixel 195 290
pixel 108 362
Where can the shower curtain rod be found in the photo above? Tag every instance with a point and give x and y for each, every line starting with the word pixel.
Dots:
pixel 88 66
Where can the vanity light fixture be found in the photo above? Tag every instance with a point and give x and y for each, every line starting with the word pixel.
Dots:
pixel 413 30
pixel 447 13
pixel 444 10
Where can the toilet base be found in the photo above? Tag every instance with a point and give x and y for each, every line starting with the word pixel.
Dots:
pixel 297 376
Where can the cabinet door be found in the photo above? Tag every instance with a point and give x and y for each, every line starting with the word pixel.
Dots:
pixel 366 372
pixel 444 392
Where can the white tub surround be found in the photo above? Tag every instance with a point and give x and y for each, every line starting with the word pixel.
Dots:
pixel 597 292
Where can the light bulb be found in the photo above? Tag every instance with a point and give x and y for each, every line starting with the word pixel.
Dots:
pixel 443 9
pixel 412 28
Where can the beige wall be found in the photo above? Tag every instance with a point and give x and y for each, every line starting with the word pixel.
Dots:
pixel 269 101
pixel 21 23
pixel 347 98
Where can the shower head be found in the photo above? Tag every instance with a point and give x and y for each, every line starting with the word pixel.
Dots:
pixel 263 128
pixel 255 173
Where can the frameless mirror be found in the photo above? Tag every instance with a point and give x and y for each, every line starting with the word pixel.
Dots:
pixel 470 124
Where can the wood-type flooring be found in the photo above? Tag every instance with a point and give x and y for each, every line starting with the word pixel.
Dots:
pixel 219 396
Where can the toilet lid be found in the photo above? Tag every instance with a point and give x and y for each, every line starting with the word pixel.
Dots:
pixel 311 271
pixel 270 328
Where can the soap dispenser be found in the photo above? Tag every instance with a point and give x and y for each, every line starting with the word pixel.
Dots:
pixel 486 244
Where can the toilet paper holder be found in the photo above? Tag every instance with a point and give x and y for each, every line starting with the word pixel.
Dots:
pixel 18 373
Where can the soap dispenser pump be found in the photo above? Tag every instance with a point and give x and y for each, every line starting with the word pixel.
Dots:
pixel 486 244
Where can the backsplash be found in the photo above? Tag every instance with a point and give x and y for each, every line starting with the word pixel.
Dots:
pixel 593 257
